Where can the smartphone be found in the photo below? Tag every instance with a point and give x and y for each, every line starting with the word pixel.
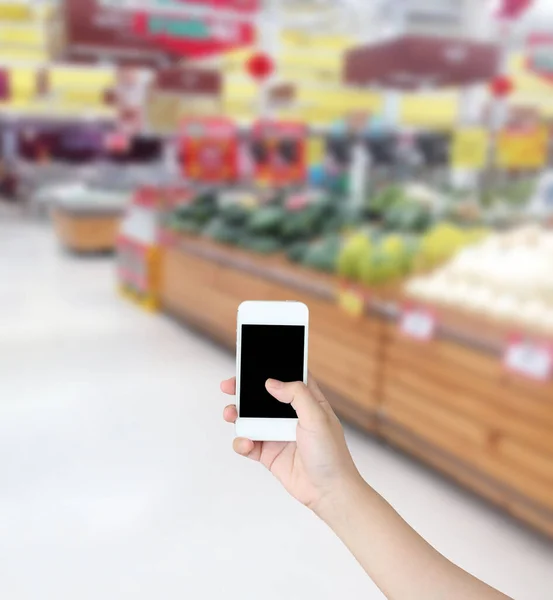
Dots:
pixel 271 343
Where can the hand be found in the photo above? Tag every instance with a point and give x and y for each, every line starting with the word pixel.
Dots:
pixel 318 466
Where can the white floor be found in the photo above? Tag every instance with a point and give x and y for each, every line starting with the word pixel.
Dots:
pixel 117 478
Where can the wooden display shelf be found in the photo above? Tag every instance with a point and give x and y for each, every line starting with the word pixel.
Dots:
pixel 204 283
pixel 87 232
pixel 449 402
pixel 452 403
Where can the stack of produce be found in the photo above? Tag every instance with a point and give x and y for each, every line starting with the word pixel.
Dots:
pixel 194 216
pixel 305 226
pixel 372 256
pixel 508 277
pixel 390 237
pixel 406 209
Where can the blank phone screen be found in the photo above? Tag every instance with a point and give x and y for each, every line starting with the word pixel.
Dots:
pixel 269 351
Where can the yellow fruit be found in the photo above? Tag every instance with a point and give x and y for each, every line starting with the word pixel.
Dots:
pixel 356 247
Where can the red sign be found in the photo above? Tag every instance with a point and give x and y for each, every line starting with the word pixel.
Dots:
pixel 193 36
pixel 104 27
pixel 513 9
pixel 539 60
pixel 209 149
pixel 280 152
pixel 247 6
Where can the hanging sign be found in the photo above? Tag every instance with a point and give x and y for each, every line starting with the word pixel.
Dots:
pixel 209 150
pixel 112 27
pixel 523 147
pixel 279 150
pixel 539 58
pixel 470 148
pixel 193 36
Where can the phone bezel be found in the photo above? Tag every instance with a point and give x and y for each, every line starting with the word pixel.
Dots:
pixel 268 313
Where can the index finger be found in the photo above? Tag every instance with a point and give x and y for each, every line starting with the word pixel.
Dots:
pixel 228 386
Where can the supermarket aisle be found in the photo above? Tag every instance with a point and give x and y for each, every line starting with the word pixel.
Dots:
pixel 117 478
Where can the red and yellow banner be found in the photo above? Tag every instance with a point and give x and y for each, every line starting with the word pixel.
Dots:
pixel 279 152
pixel 209 150
pixel 523 148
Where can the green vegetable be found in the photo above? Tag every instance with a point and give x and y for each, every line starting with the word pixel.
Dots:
pixel 235 214
pixel 387 198
pixel 323 255
pixel 408 217
pixel 266 220
pixel 262 244
pixel 185 226
pixel 221 232
pixel 296 251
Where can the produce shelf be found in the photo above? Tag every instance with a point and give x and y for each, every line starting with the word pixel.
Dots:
pixel 87 232
pixel 448 402
pixel 204 282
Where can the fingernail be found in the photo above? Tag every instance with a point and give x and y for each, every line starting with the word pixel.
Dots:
pixel 274 383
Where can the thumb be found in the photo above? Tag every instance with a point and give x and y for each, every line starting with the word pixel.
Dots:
pixel 304 403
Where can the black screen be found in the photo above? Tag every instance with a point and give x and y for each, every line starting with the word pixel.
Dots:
pixel 269 351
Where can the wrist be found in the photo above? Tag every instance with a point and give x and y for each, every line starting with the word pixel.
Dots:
pixel 336 506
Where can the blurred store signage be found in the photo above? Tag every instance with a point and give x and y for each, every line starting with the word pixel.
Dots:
pixel 470 148
pixel 539 58
pixel 193 37
pixel 279 152
pixel 414 62
pixel 247 6
pixel 418 323
pixel 513 9
pixel 281 94
pixel 530 358
pixel 189 80
pixel 130 94
pixel 209 150
pixel 523 147
pixel 180 92
pixel 5 91
pixel 441 18
pixel 351 300
pixel 136 29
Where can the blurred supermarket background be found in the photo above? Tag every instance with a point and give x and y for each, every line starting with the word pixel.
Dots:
pixel 388 162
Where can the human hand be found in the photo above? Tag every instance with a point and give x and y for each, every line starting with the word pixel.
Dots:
pixel 318 466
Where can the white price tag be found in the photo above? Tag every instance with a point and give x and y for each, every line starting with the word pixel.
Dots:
pixel 530 359
pixel 418 323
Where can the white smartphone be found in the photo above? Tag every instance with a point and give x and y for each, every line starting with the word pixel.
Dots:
pixel 271 343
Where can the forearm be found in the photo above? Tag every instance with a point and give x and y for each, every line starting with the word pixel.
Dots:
pixel 401 563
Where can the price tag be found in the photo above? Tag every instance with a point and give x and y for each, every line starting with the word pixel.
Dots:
pixel 418 323
pixel 351 301
pixel 529 358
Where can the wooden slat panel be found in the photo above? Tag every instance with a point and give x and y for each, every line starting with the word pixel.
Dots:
pixel 449 375
pixel 86 234
pixel 179 267
pixel 464 430
pixel 242 286
pixel 499 420
pixel 525 457
pixel 464 443
pixel 470 478
pixel 463 362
